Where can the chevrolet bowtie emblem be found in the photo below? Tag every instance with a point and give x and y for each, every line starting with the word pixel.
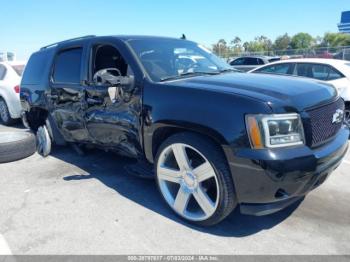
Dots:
pixel 338 116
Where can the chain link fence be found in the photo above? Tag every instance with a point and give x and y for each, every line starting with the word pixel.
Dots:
pixel 342 53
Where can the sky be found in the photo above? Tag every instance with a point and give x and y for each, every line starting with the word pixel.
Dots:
pixel 26 25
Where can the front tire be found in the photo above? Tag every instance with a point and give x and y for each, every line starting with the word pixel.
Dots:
pixel 5 116
pixel 194 179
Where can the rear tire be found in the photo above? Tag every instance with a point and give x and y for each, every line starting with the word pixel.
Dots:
pixel 5 116
pixel 190 191
pixel 43 141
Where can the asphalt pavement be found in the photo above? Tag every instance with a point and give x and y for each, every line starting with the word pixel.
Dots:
pixel 72 204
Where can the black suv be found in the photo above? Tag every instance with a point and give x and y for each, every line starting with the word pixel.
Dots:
pixel 216 138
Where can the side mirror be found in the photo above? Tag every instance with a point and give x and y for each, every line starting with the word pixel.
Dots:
pixel 122 88
pixel 127 83
pixel 105 76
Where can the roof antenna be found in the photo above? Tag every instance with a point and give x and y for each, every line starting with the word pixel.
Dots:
pixel 183 37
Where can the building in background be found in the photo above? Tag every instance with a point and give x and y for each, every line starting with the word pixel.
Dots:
pixel 7 56
pixel 344 25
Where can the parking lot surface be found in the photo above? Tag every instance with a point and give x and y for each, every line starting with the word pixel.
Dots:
pixel 71 204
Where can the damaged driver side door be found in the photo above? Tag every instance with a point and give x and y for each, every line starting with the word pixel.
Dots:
pixel 113 101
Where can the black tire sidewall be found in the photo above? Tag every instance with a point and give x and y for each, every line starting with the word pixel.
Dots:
pixel 16 150
pixel 10 120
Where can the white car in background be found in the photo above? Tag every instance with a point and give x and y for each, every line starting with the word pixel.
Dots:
pixel 10 78
pixel 333 71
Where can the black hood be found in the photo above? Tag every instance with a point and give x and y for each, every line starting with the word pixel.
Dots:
pixel 293 93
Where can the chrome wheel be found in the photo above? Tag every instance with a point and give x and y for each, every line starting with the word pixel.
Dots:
pixel 4 114
pixel 43 141
pixel 188 182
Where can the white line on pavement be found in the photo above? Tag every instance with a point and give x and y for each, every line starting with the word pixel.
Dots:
pixel 4 247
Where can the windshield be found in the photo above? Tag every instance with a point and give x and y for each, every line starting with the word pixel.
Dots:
pixel 19 69
pixel 167 59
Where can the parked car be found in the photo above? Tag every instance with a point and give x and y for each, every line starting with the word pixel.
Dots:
pixel 217 139
pixel 10 78
pixel 247 63
pixel 333 71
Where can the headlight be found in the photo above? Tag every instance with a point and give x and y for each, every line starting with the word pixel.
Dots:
pixel 268 131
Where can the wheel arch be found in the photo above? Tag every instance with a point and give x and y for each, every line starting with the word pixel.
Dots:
pixel 161 131
pixel 36 117
pixel 3 96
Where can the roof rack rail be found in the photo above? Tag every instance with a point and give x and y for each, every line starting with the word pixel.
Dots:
pixel 66 41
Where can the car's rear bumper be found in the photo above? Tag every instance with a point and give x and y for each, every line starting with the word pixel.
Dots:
pixel 269 180
pixel 14 106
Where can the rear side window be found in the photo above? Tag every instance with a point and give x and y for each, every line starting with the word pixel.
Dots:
pixel 37 67
pixel 304 70
pixel 281 69
pixel 318 71
pixel 67 66
pixel 260 61
pixel 334 74
pixel 2 72
pixel 251 61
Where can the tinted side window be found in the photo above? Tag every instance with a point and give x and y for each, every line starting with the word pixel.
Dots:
pixel 238 61
pixel 320 72
pixel 282 69
pixel 334 74
pixel 37 67
pixel 260 61
pixel 251 61
pixel 67 66
pixel 2 72
pixel 304 70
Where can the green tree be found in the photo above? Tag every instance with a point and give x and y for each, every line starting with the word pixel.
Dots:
pixel 265 42
pixel 260 44
pixel 302 41
pixel 221 48
pixel 335 40
pixel 236 42
pixel 236 46
pixel 282 42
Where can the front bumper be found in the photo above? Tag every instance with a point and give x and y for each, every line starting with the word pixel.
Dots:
pixel 269 180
